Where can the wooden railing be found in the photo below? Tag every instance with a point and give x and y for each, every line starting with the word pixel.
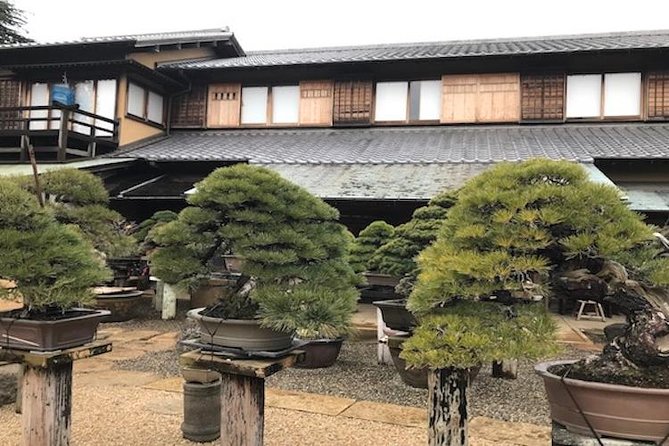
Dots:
pixel 62 123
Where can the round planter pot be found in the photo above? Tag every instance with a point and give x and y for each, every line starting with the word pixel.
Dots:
pixel 320 353
pixel 395 314
pixel 210 292
pixel 412 377
pixel 613 410
pixel 123 305
pixel 237 333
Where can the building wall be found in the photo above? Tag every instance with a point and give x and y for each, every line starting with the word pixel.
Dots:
pixel 131 130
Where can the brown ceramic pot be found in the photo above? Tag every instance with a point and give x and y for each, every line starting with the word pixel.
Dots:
pixel 613 410
pixel 238 333
pixel 395 314
pixel 78 328
pixel 320 353
pixel 377 279
pixel 123 305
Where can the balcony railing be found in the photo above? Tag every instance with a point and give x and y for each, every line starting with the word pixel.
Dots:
pixel 57 133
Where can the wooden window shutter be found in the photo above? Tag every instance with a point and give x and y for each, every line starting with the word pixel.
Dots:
pixel 658 95
pixel 10 96
pixel 459 94
pixel 190 110
pixel 480 98
pixel 316 102
pixel 498 98
pixel 352 102
pixel 542 97
pixel 223 105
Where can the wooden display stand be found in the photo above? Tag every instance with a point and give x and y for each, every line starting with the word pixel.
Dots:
pixel 242 392
pixel 46 391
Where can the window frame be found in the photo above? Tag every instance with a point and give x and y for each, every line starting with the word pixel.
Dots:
pixel 408 121
pixel 602 105
pixel 145 112
pixel 269 107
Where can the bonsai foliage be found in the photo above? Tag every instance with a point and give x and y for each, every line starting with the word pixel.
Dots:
pixel 397 256
pixel 12 20
pixel 515 230
pixel 79 198
pixel 368 241
pixel 140 233
pixel 50 263
pixel 293 248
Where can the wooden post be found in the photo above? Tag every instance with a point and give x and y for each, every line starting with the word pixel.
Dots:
pixel 158 297
pixel 507 369
pixel 447 407
pixel 63 132
pixel 19 389
pixel 382 350
pixel 47 404
pixel 242 410
pixel 169 306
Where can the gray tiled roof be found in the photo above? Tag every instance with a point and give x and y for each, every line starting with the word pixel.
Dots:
pixel 437 144
pixel 435 50
pixel 141 40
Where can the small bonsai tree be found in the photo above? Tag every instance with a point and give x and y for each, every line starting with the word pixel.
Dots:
pixel 51 265
pixel 514 230
pixel 295 252
pixel 141 232
pixel 79 198
pixel 368 241
pixel 397 257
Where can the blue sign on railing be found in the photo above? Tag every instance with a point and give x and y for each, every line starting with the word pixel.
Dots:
pixel 62 94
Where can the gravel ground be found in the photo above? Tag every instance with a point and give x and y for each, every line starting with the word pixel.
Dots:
pixel 357 375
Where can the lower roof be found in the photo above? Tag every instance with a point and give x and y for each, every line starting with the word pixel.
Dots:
pixel 429 145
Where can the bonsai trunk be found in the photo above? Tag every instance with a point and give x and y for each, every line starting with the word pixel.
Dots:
pixel 447 407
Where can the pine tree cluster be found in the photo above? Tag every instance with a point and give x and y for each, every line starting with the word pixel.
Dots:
pixel 291 244
pixel 50 263
pixel 375 235
pixel 511 228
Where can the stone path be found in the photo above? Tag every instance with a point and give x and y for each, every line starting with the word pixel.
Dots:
pixel 120 407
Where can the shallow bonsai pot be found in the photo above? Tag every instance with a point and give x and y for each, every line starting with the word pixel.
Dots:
pixel 320 353
pixel 238 333
pixel 233 263
pixel 395 314
pixel 381 279
pixel 613 410
pixel 77 328
pixel 414 377
pixel 122 305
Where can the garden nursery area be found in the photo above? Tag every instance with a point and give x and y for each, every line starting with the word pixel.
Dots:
pixel 528 307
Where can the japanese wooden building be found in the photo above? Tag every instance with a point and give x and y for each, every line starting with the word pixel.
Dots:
pixel 375 130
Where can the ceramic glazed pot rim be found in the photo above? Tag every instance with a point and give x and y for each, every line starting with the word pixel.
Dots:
pixel 195 314
pixel 541 369
pixel 322 340
pixel 89 313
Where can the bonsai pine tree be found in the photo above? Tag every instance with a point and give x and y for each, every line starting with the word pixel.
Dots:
pixel 79 198
pixel 294 250
pixel 514 230
pixel 397 256
pixel 147 225
pixel 368 241
pixel 51 265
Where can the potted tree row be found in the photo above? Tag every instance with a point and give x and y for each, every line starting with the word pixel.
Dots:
pixel 52 269
pixel 295 278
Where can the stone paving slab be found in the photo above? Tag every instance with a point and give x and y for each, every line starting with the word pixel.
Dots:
pixel 124 336
pixel 507 433
pixel 387 413
pixel 91 365
pixel 307 402
pixel 121 353
pixel 166 385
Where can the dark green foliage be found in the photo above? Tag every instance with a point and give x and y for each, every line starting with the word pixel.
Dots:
pixel 290 242
pixel 158 218
pixel 398 256
pixel 511 228
pixel 11 22
pixel 368 241
pixel 80 198
pixel 49 262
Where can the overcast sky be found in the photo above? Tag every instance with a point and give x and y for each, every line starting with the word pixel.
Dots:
pixel 272 24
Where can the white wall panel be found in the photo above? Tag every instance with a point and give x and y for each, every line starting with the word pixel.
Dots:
pixel 391 101
pixel 285 104
pixel 622 94
pixel 254 105
pixel 584 93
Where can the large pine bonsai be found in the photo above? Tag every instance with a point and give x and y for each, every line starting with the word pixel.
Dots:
pixel 50 264
pixel 294 250
pixel 515 230
pixel 79 198
pixel 375 235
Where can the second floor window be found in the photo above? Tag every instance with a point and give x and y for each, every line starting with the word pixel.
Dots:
pixel 284 100
pixel 408 101
pixel 603 96
pixel 145 104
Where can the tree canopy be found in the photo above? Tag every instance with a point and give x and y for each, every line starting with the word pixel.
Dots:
pixel 12 20
pixel 376 234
